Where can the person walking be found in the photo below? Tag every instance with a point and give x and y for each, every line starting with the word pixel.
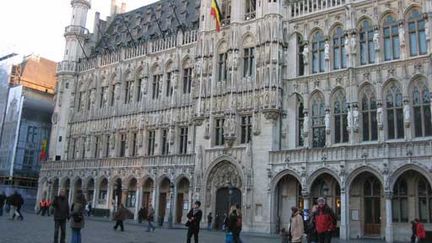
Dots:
pixel 209 221
pixel 325 221
pixel 420 231
pixel 150 218
pixel 120 216
pixel 141 215
pixel 311 232
pixel 61 214
pixel 16 201
pixel 2 202
pixel 235 223
pixel 194 218
pixel 77 214
pixel 296 225
pixel 284 236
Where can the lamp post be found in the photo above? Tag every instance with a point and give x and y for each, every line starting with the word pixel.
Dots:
pixel 170 216
pixel 230 192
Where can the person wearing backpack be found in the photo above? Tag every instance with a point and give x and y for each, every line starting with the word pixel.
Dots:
pixel 420 232
pixel 77 213
pixel 235 223
pixel 194 218
pixel 325 221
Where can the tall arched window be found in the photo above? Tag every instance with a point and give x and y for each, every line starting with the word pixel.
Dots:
pixel 301 65
pixel 367 50
pixel 422 110
pixel 318 126
pixel 339 53
pixel 424 198
pixel 300 120
pixel 369 114
pixel 225 12
pixel 318 62
pixel 400 201
pixel 391 39
pixel 417 34
pixel 340 112
pixel 394 108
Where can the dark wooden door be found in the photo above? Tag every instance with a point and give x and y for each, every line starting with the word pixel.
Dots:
pixel 223 203
pixel 162 206
pixel 372 206
pixel 179 208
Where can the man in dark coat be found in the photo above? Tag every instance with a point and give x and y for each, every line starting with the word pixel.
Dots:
pixel 61 213
pixel 194 218
pixel 16 201
pixel 2 202
pixel 120 216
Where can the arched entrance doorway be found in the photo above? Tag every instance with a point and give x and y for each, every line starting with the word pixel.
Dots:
pixel 131 194
pixel 164 191
pixel 90 190
pixel 182 200
pixel 367 206
pixel 103 190
pixel 147 196
pixel 66 186
pixel 54 189
pixel 117 192
pixel 224 188
pixel 287 194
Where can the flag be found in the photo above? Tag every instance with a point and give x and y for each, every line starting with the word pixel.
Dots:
pixel 43 152
pixel 216 13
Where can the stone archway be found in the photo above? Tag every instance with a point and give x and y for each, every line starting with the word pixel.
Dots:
pixel 287 193
pixel 224 187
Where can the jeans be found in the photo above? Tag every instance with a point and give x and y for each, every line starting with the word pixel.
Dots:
pixel 325 237
pixel 150 226
pixel 1 210
pixel 76 235
pixel 60 223
pixel 209 226
pixel 193 232
pixel 20 216
pixel 119 223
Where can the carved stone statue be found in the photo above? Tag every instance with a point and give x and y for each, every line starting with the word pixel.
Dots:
pixel 356 118
pixel 92 96
pixel 327 121
pixel 347 45
pixel 305 54
pixel 117 91
pixel 350 118
pixel 380 117
pixel 427 35
pixel 401 34
pixel 407 114
pixel 326 50
pixel 305 124
pixel 353 43
pixel 376 39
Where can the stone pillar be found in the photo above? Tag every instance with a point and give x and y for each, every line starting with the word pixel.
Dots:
pixel 137 203
pixel 156 204
pixel 173 203
pixel 95 196
pixel 343 217
pixel 109 195
pixel 71 194
pixel 389 217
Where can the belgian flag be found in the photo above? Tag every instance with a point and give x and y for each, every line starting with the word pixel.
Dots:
pixel 216 13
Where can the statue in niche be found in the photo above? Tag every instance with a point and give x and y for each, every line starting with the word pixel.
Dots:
pixel 306 124
pixel 305 54
pixel 356 118
pixel 401 34
pixel 350 118
pixel 326 50
pixel 380 116
pixel 376 39
pixel 347 45
pixel 327 120
pixel 353 43
pixel 407 113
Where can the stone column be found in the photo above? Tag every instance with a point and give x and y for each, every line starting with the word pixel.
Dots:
pixel 173 203
pixel 71 193
pixel 95 196
pixel 389 217
pixel 109 195
pixel 137 203
pixel 156 204
pixel 344 215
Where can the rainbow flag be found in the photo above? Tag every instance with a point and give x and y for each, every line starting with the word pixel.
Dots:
pixel 216 13
pixel 43 152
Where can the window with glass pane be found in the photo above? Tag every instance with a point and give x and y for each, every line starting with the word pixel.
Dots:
pixel 369 114
pixel 96 148
pixel 169 89
pixel 340 112
pixel 122 145
pixel 300 120
pixel 225 12
pixel 367 49
pixel 107 146
pixel 134 144
pixel 219 131
pixel 139 94
pixel 318 126
pixel 400 201
pixel 222 68
pixel 424 198
pixel 183 140
pixel 391 39
pixel 101 97
pixel 339 53
pixel 248 62
pixel 128 92
pixel 155 86
pixel 422 110
pixel 250 9
pixel 300 56
pixel 113 87
pixel 394 108
pixel 246 129
pixel 318 62
pixel 187 80
pixel 150 142
pixel 83 147
pixel 164 142
pixel 417 34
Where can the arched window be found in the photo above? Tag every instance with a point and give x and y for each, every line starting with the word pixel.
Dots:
pixel 339 53
pixel 225 12
pixel 422 110
pixel 424 198
pixel 318 126
pixel 250 9
pixel 394 110
pixel 367 50
pixel 301 65
pixel 369 114
pixel 300 120
pixel 318 62
pixel 400 201
pixel 391 39
pixel 340 112
pixel 417 34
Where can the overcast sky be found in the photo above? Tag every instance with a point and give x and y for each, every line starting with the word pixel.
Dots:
pixel 37 26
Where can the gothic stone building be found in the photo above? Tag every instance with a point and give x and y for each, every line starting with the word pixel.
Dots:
pixel 290 101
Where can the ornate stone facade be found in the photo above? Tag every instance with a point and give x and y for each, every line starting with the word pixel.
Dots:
pixel 297 100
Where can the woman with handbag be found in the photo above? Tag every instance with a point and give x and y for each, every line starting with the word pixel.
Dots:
pixel 77 213
pixel 235 223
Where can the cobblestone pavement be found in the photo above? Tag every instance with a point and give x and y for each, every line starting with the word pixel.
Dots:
pixel 38 229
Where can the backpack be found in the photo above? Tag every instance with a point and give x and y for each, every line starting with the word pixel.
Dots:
pixel 421 233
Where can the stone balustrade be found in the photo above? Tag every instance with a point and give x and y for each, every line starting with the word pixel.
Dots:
pixel 66 66
pixel 76 30
pixel 304 7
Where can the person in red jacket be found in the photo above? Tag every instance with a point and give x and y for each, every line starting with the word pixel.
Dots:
pixel 325 221
pixel 420 231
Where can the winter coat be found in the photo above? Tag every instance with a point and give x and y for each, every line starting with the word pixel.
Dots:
pixel 61 208
pixel 235 222
pixel 297 227
pixel 77 215
pixel 16 200
pixel 195 222
pixel 325 219
pixel 122 214
pixel 2 200
pixel 311 230
pixel 150 214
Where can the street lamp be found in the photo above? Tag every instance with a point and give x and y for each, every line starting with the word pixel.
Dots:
pixel 170 216
pixel 230 192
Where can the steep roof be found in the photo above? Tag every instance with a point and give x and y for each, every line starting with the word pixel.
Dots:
pixel 154 21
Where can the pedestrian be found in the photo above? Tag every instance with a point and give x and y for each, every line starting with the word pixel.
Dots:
pixel 284 236
pixel 120 216
pixel 296 225
pixel 48 206
pixel 16 201
pixel 41 205
pixel 225 222
pixel 61 214
pixel 77 214
pixel 235 223
pixel 194 218
pixel 209 221
pixel 420 231
pixel 311 232
pixel 150 218
pixel 141 215
pixel 2 202
pixel 325 221
pixel 88 209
